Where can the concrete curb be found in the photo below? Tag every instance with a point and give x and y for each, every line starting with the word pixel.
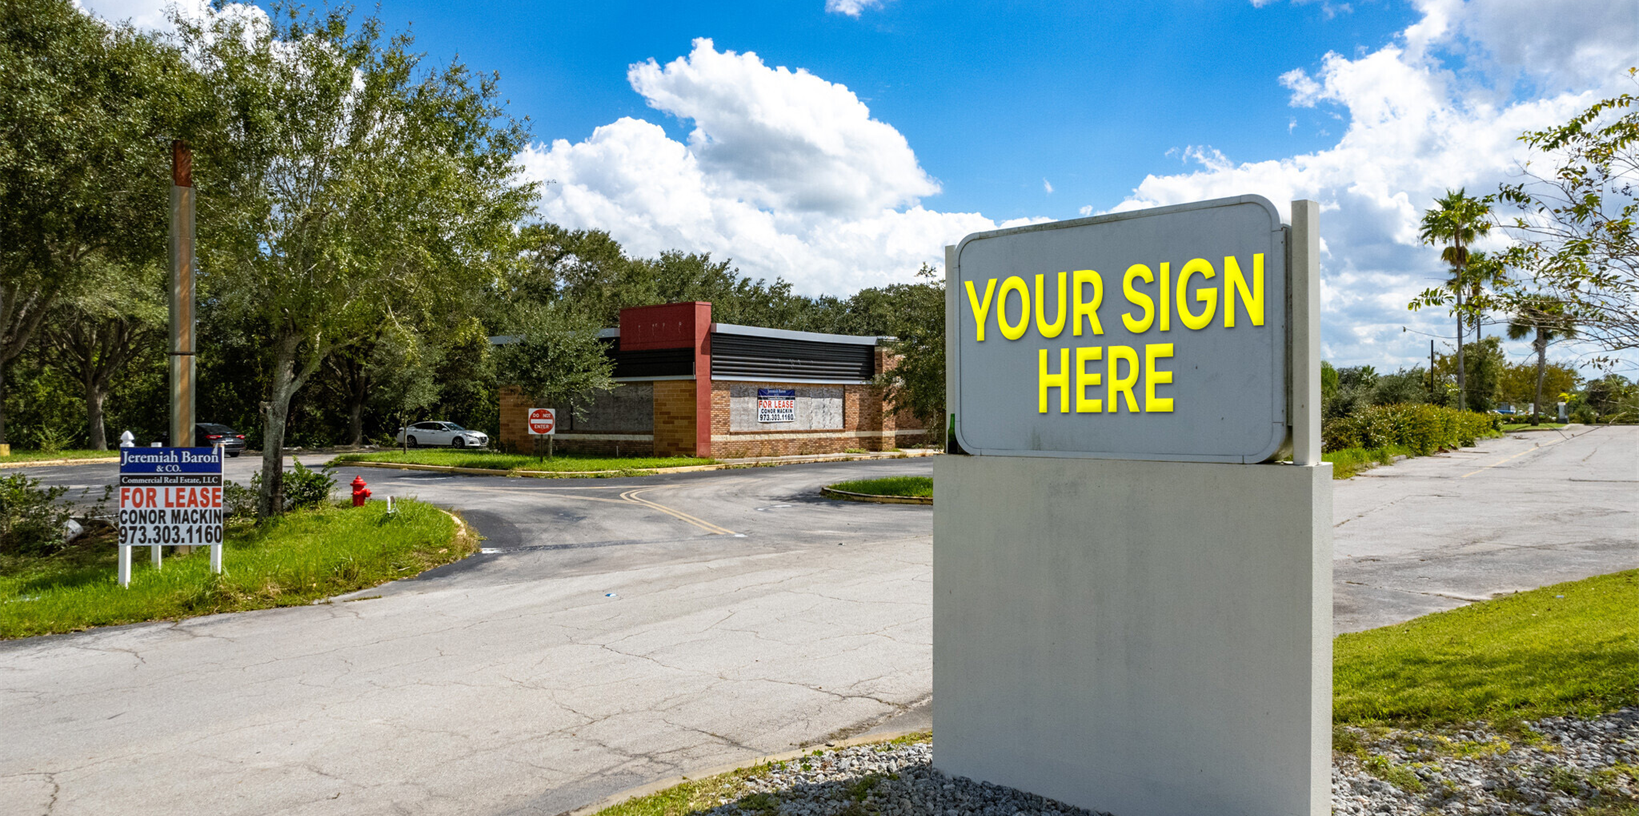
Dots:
pixel 726 464
pixel 874 498
pixel 656 787
pixel 53 462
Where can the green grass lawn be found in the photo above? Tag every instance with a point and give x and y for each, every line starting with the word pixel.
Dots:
pixel 1526 426
pixel 1570 648
pixel 292 560
pixel 890 486
pixel 493 460
pixel 42 456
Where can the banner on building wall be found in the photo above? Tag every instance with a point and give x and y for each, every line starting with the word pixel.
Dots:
pixel 776 405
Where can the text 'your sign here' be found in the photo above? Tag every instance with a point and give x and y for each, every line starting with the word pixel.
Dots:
pixel 1160 302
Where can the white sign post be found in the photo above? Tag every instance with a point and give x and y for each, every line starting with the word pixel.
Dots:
pixel 1132 591
pixel 169 497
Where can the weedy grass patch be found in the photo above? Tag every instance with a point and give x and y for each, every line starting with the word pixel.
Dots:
pixel 1350 461
pixel 1566 649
pixel 291 560
pixel 890 486
pixel 1509 427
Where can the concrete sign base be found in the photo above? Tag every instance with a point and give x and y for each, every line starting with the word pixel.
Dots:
pixel 1141 638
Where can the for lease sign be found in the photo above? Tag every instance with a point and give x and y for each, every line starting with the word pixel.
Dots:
pixel 1156 334
pixel 776 405
pixel 170 496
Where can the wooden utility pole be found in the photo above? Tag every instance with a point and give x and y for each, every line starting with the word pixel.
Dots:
pixel 182 296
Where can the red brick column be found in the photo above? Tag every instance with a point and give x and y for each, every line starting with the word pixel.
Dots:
pixel 672 326
pixel 702 379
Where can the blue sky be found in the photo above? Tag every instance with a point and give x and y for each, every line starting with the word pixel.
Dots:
pixel 993 97
pixel 841 143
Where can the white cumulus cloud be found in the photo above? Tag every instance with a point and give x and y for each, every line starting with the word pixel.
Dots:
pixel 784 139
pixel 852 8
pixel 782 171
pixel 1437 109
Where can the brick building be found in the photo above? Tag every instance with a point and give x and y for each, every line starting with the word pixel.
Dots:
pixel 691 387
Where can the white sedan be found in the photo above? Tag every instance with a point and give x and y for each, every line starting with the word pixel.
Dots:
pixel 440 433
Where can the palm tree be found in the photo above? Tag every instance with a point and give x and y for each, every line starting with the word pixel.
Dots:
pixel 1483 271
pixel 1456 221
pixel 1546 318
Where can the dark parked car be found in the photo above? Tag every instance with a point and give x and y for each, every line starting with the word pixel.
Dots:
pixel 210 434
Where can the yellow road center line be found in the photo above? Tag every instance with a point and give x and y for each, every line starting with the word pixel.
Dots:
pixel 698 522
pixel 633 497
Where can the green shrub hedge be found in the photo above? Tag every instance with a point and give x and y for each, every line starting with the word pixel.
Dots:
pixel 1423 429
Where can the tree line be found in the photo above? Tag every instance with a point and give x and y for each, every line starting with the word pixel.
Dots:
pixel 363 229
pixel 1568 267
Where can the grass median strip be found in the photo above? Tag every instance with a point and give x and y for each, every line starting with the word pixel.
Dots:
pixel 919 486
pixel 494 460
pixel 18 457
pixel 292 560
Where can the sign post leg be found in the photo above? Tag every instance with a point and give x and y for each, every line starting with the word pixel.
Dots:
pixel 125 566
pixel 156 555
pixel 216 559
pixel 1305 411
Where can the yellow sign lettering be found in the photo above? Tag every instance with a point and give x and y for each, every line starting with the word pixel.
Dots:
pixel 1122 384
pixel 1086 308
pixel 1154 376
pixel 1139 299
pixel 1235 286
pixel 1088 379
pixel 980 310
pixel 1016 330
pixel 1049 329
pixel 1205 296
pixel 1061 381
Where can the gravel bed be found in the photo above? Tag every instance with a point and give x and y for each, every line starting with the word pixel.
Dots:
pixel 1557 766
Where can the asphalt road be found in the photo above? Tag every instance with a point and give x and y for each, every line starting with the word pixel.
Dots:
pixel 622 631
pixel 1519 512
pixel 618 637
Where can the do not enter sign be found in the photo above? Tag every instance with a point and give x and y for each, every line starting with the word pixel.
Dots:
pixel 542 421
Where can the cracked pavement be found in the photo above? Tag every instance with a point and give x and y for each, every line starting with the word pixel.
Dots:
pixel 1513 513
pixel 612 639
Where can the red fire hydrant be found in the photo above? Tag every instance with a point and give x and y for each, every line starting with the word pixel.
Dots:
pixel 360 492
